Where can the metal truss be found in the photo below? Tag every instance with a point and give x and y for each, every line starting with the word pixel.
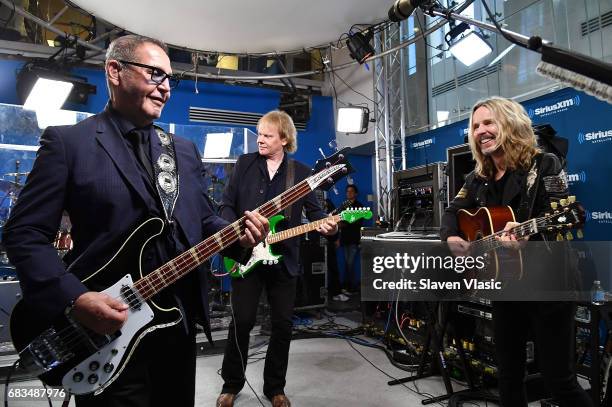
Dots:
pixel 390 113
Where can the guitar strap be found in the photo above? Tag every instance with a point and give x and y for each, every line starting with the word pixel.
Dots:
pixel 289 181
pixel 530 190
pixel 166 176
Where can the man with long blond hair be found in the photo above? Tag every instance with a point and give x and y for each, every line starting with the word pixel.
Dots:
pixel 512 171
pixel 257 178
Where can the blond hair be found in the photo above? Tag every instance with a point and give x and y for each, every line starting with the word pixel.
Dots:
pixel 284 125
pixel 515 136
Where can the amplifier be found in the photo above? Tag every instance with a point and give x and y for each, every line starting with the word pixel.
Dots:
pixel 459 165
pixel 311 291
pixel 420 196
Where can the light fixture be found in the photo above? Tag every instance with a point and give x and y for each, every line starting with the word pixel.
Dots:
pixel 467 48
pixel 48 94
pixel 353 119
pixel 359 46
pixel 41 85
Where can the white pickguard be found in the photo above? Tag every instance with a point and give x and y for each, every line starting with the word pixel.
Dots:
pixel 261 253
pixel 111 354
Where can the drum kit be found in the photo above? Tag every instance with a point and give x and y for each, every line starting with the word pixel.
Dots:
pixel 10 186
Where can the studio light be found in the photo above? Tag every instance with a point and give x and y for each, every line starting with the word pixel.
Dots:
pixel 468 48
pixel 353 119
pixel 47 87
pixel 359 46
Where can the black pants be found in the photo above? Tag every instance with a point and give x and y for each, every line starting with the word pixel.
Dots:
pixel 552 324
pixel 280 287
pixel 160 373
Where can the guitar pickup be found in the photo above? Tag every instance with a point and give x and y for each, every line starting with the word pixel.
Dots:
pixel 131 297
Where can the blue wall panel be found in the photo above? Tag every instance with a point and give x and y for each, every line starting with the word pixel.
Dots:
pixel 319 130
pixel 587 124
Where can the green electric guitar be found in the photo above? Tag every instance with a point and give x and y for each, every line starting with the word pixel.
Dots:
pixel 262 253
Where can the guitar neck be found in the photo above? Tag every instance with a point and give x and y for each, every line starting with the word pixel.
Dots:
pixel 298 230
pixel 521 231
pixel 176 268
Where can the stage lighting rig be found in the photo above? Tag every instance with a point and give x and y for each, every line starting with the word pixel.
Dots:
pixel 359 45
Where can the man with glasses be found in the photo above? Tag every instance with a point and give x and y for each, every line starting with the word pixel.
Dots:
pixel 111 172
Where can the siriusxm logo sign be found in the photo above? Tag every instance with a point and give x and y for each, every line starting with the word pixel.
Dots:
pixel 599 217
pixel 580 176
pixel 424 143
pixel 598 136
pixel 555 108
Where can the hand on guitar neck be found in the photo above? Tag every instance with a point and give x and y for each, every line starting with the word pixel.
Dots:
pixel 329 227
pixel 257 228
pixel 461 247
pixel 509 240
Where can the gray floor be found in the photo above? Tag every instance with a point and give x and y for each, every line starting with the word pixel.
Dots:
pixel 322 372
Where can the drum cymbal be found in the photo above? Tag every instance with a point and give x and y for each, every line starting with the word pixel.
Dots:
pixel 16 174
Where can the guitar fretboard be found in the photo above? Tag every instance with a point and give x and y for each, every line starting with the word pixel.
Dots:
pixel 176 268
pixel 298 230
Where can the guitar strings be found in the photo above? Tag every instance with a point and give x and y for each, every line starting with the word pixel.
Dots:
pixel 187 259
pixel 524 227
pixel 158 280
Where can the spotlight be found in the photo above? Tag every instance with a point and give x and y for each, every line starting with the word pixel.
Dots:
pixel 359 46
pixel 468 48
pixel 45 86
pixel 353 119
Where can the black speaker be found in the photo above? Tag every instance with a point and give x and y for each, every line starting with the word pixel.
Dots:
pixel 312 283
pixel 459 165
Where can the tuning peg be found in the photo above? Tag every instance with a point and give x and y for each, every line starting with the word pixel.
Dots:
pixel 569 236
pixel 563 202
pixel 579 234
pixel 341 156
pixel 554 205
pixel 571 199
pixel 327 164
pixel 344 170
pixel 559 237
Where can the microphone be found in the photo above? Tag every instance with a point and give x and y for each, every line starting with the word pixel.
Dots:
pixel 402 9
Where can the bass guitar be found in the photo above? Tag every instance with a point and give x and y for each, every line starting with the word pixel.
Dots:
pixel 263 253
pixel 69 355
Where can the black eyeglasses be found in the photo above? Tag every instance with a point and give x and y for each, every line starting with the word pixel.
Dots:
pixel 158 76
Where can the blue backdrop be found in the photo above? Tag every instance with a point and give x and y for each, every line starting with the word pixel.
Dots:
pixel 587 124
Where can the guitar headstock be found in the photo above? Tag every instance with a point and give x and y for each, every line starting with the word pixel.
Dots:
pixel 329 170
pixel 354 214
pixel 568 214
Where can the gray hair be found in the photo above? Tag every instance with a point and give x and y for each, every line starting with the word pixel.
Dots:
pixel 125 47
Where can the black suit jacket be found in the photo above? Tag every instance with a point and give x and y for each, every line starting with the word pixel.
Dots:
pixel 87 170
pixel 246 190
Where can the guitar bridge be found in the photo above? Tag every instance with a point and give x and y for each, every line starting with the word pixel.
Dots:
pixel 44 353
